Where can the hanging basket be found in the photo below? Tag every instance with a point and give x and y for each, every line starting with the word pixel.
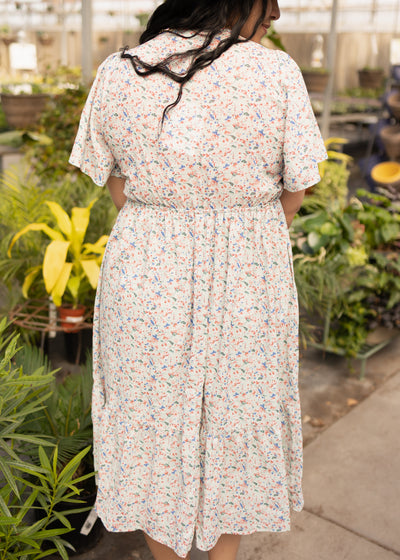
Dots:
pixel 46 40
pixel 8 39
pixel 23 111
pixel 316 82
pixel 370 79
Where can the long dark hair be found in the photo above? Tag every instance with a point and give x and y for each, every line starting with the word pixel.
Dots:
pixel 199 16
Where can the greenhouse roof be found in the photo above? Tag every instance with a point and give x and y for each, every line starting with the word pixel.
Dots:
pixel 297 15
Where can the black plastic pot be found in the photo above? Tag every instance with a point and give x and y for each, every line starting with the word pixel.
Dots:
pixel 77 345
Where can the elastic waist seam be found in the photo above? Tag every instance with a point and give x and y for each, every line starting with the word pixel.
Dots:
pixel 202 210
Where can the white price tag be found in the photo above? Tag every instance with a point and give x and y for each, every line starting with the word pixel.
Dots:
pixel 90 521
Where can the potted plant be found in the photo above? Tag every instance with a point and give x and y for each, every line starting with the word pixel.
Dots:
pixel 370 77
pixel 316 79
pixel 24 101
pixel 45 38
pixel 24 482
pixel 7 35
pixel 70 267
pixel 66 423
pixel 332 188
pixel 347 268
pixel 22 104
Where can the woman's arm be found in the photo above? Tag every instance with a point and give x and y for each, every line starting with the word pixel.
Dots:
pixel 291 202
pixel 116 187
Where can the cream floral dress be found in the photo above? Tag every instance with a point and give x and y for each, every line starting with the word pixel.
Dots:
pixel 196 416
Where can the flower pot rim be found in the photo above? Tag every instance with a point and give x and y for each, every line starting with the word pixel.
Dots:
pixel 71 306
pixel 386 173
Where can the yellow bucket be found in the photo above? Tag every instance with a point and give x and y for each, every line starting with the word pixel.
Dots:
pixel 386 173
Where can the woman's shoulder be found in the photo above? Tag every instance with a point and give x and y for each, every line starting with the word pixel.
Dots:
pixel 261 54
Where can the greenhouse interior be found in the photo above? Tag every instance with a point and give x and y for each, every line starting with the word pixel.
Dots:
pixel 345 247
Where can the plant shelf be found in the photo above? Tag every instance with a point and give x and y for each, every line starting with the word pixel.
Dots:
pixel 366 351
pixel 41 316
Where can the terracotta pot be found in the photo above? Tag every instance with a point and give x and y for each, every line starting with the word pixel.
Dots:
pixel 390 136
pixel 393 102
pixel 395 72
pixel 70 317
pixel 370 79
pixel 22 111
pixel 315 81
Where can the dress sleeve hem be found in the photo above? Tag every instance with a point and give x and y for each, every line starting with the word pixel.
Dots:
pixel 89 171
pixel 309 180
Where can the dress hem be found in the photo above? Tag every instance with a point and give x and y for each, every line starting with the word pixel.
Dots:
pixel 138 526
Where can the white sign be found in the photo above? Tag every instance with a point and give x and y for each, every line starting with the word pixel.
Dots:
pixel 395 51
pixel 23 56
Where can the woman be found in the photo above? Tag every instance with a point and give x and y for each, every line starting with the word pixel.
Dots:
pixel 206 141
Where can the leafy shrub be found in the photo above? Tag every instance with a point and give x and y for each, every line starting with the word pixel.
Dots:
pixel 24 483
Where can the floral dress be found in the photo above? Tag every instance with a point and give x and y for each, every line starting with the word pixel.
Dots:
pixel 196 416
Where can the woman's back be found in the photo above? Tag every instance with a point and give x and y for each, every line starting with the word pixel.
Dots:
pixel 232 138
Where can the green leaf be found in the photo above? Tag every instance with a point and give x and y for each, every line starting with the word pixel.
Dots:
pixel 31 439
pixel 27 505
pixel 31 469
pixel 45 553
pixel 30 542
pixel 8 520
pixel 48 533
pixel 389 231
pixel 44 460
pixel 61 517
pixel 61 549
pixel 329 229
pixel 70 468
pixel 4 508
pixel 394 299
pixel 55 457
pixel 6 472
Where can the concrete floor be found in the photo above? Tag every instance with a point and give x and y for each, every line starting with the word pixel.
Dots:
pixel 351 471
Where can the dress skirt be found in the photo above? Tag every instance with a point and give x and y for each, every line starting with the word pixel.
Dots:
pixel 197 425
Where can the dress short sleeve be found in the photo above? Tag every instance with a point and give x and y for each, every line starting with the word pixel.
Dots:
pixel 303 146
pixel 90 152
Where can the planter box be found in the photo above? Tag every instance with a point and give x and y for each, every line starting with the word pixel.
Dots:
pixel 23 111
